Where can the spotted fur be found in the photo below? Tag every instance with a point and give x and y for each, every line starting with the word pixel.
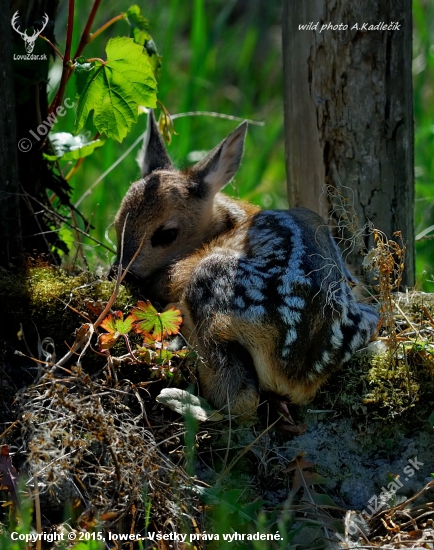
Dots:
pixel 265 294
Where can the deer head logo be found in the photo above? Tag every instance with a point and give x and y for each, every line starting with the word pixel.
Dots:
pixel 28 40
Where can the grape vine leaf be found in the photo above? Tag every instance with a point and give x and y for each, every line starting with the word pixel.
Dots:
pixel 139 31
pixel 114 89
pixel 154 324
pixel 69 147
pixel 116 326
pixel 139 25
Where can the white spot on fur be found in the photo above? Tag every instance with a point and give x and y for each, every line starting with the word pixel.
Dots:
pixel 291 337
pixel 289 316
pixel 325 359
pixel 337 336
pixel 318 367
pixel 239 302
pixel 255 312
pixel 255 294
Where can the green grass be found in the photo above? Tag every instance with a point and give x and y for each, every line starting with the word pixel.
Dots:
pixel 423 82
pixel 215 58
pixel 220 57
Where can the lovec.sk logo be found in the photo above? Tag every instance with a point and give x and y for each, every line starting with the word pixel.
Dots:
pixel 29 41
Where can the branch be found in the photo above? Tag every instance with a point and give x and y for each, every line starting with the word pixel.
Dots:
pixel 65 221
pixel 85 37
pixel 67 68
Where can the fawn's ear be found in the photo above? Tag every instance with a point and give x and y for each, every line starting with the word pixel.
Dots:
pixel 153 155
pixel 219 166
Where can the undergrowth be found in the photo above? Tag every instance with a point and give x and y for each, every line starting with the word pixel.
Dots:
pixel 90 437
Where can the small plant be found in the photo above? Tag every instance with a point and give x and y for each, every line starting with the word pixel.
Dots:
pixel 153 327
pixel 386 260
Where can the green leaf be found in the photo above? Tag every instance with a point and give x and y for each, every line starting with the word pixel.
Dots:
pixel 115 89
pixel 164 356
pixel 69 147
pixel 116 323
pixel 155 324
pixel 229 502
pixel 116 326
pixel 431 419
pixel 146 355
pixel 139 25
pixel 82 68
pixel 89 545
pixel 139 32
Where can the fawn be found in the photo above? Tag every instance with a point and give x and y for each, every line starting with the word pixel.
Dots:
pixel 265 294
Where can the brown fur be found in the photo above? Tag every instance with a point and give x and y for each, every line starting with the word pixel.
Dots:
pixel 264 295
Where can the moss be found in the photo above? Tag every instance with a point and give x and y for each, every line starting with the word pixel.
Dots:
pixel 395 384
pixel 392 386
pixel 50 302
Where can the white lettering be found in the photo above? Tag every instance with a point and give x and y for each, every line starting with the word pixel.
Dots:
pixel 415 463
pixel 65 101
pixel 42 130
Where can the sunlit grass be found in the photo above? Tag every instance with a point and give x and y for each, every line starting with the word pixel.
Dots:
pixel 218 57
pixel 215 58
pixel 423 81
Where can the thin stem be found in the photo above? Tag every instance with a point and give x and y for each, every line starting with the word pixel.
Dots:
pixel 96 59
pixel 112 167
pixel 52 45
pixel 74 168
pixel 127 343
pixel 67 70
pixel 105 26
pixel 114 295
pixel 65 221
pixel 37 513
pixel 85 37
pixel 79 161
pixel 162 331
pixel 69 32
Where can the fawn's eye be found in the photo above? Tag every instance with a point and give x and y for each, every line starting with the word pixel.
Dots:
pixel 164 237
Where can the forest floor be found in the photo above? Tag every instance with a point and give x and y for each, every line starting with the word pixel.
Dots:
pixel 110 441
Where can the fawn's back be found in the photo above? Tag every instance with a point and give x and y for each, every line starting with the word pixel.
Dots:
pixel 265 294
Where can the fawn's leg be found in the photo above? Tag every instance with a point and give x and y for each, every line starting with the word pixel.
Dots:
pixel 227 378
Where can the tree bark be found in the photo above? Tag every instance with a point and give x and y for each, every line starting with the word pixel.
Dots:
pixel 349 113
pixel 10 220
pixel 39 236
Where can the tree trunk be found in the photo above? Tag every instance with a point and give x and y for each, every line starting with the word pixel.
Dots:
pixel 10 222
pixel 38 225
pixel 349 113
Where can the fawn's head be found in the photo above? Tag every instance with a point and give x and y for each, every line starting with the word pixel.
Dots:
pixel 168 213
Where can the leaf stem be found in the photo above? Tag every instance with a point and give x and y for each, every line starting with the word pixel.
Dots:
pixel 162 332
pixel 52 45
pixel 105 26
pixel 96 59
pixel 86 35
